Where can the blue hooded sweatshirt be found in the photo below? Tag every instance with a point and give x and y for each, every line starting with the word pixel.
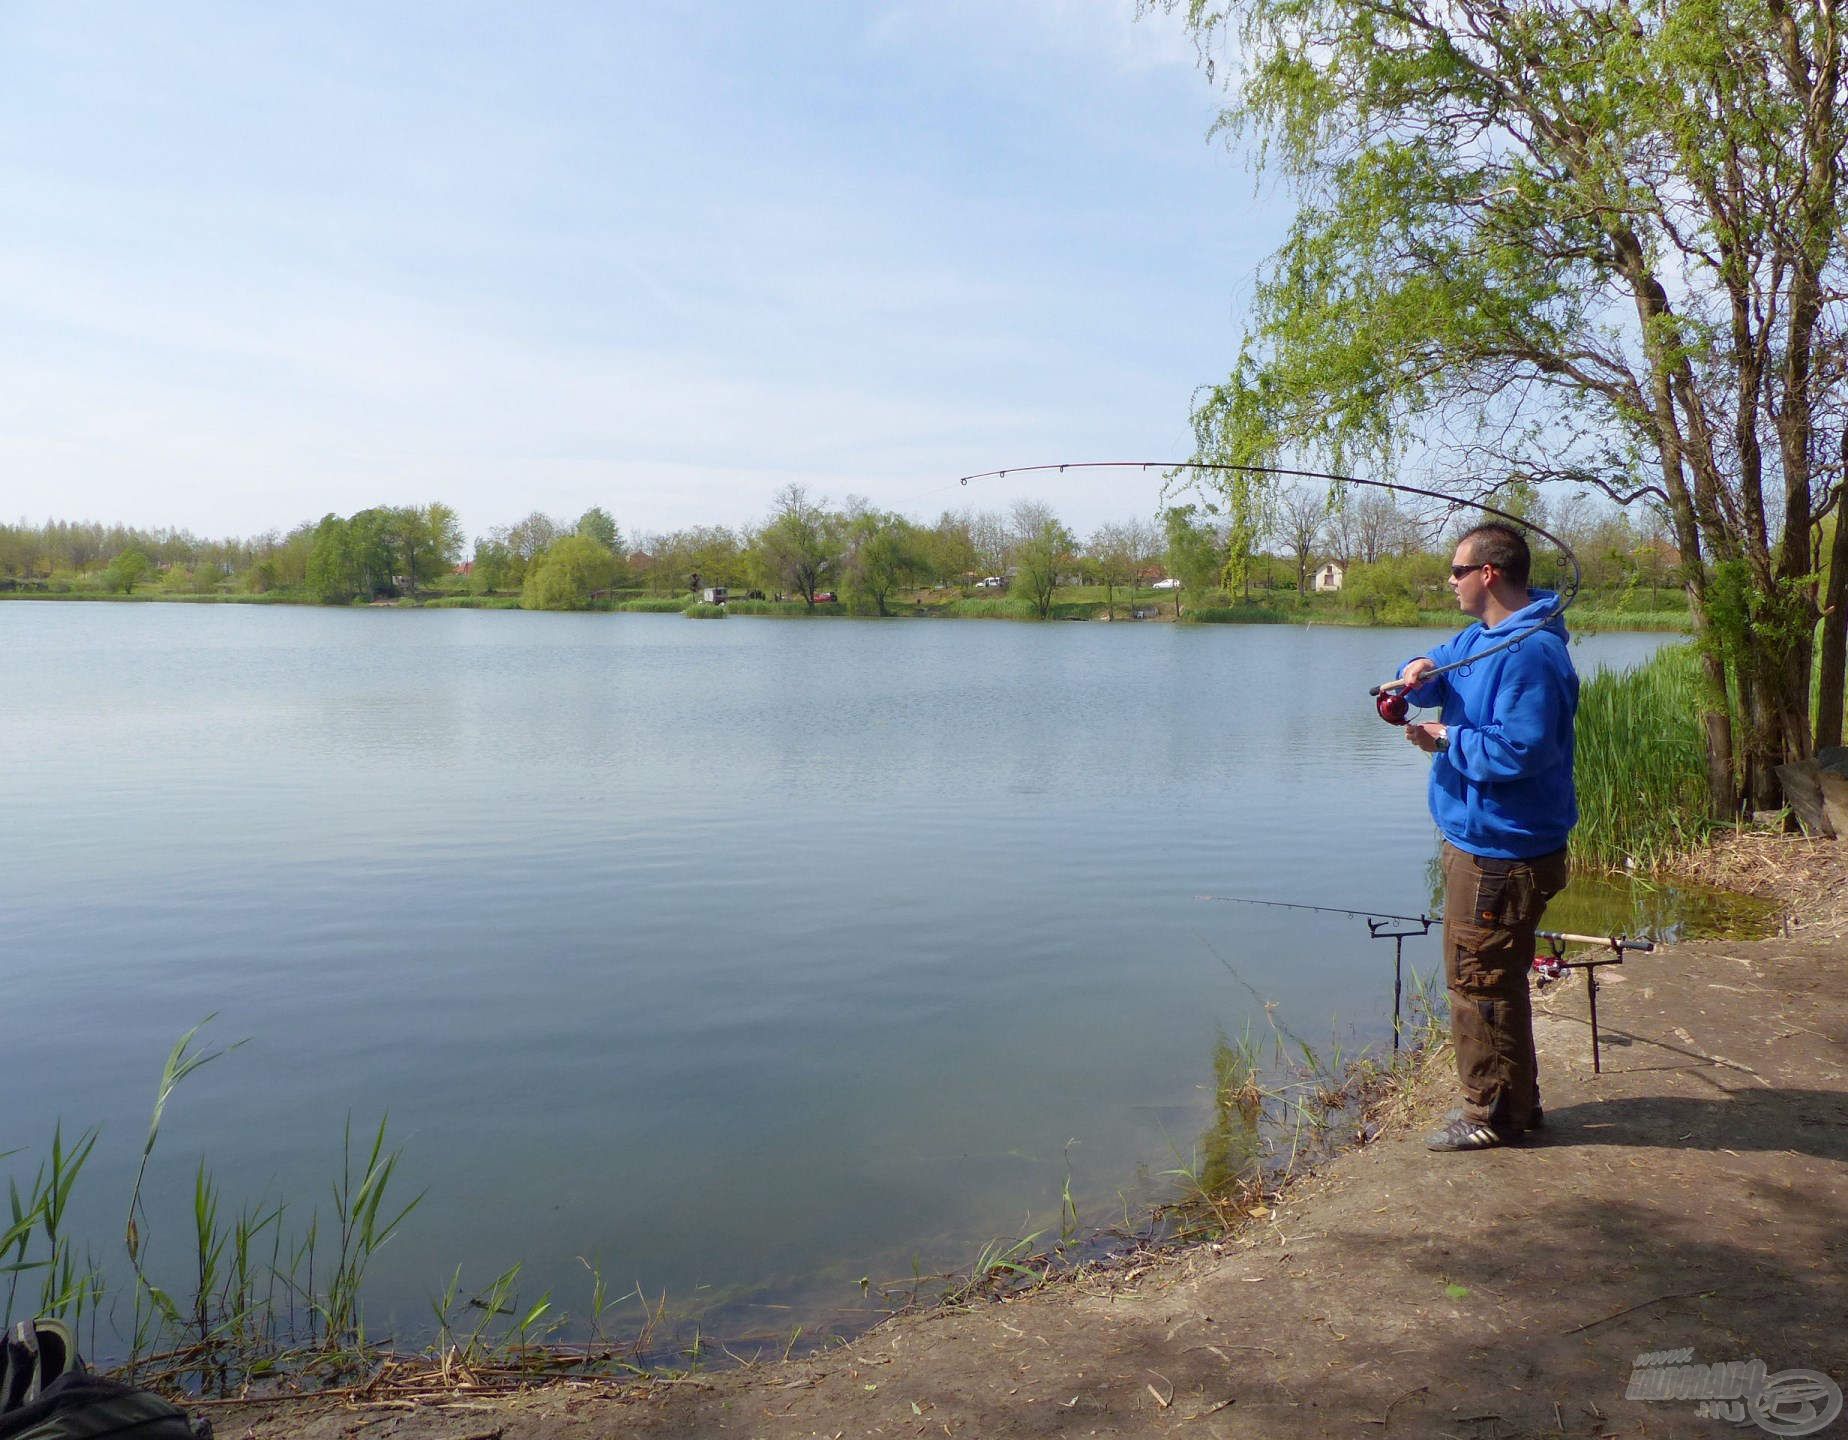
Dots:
pixel 1504 787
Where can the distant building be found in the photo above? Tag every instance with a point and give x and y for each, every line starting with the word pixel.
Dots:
pixel 1329 575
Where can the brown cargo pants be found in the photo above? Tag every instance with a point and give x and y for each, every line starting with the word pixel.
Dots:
pixel 1491 910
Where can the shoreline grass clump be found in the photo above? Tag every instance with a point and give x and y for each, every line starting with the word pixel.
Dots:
pixel 704 612
pixel 1641 765
pixel 657 605
pixel 768 607
pixel 1240 614
pixel 991 608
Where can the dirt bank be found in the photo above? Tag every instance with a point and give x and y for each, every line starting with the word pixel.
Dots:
pixel 1692 1197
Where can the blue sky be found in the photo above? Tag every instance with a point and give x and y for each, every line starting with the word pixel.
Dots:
pixel 259 262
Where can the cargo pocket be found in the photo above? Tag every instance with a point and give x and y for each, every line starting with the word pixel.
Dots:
pixel 1483 961
pixel 1505 893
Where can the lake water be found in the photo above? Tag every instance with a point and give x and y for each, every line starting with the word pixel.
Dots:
pixel 742 958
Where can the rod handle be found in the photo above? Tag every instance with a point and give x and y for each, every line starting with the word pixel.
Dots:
pixel 1609 942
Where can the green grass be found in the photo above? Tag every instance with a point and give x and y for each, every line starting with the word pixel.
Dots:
pixel 704 612
pixel 657 605
pixel 1641 764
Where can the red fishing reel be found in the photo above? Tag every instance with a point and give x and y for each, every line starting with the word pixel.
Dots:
pixel 1392 706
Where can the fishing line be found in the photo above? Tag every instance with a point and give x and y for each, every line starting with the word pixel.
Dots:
pixel 1390 692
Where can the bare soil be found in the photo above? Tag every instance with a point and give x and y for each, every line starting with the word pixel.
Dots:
pixel 1692 1196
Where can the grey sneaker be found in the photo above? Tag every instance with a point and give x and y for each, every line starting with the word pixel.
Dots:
pixel 1460 1134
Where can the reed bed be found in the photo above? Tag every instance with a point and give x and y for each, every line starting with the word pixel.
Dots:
pixel 991 608
pixel 657 605
pixel 1248 614
pixel 782 607
pixel 1641 765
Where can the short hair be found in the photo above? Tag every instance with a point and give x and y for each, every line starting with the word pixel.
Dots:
pixel 1501 546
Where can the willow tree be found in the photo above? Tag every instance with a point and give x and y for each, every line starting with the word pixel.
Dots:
pixel 1595 242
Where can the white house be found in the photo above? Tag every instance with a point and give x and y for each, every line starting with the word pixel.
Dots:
pixel 1329 575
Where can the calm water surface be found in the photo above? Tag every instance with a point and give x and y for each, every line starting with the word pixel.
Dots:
pixel 743 958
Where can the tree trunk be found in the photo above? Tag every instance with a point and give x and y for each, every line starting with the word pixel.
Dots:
pixel 1722 798
pixel 1834 632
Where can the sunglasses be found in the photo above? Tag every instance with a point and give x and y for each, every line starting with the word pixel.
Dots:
pixel 1457 572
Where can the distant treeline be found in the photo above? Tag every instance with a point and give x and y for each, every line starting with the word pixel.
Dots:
pixel 806 550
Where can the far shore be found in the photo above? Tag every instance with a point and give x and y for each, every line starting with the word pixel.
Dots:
pixel 1081 604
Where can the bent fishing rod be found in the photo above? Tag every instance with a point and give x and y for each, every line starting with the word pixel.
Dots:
pixel 1389 695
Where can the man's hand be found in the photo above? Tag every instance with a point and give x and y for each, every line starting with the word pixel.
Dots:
pixel 1425 735
pixel 1415 671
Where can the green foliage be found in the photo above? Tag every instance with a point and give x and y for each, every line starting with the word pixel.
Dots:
pixel 704 612
pixel 883 552
pixel 597 524
pixel 367 554
pixel 801 545
pixel 1042 551
pixel 714 553
pixel 496 566
pixel 1392 590
pixel 950 550
pixel 1119 553
pixel 127 570
pixel 567 575
pixel 659 605
pixel 1193 555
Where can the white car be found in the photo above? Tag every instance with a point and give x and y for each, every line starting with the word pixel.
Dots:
pixel 1169 584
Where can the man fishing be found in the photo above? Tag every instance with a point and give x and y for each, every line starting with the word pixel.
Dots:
pixel 1501 794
